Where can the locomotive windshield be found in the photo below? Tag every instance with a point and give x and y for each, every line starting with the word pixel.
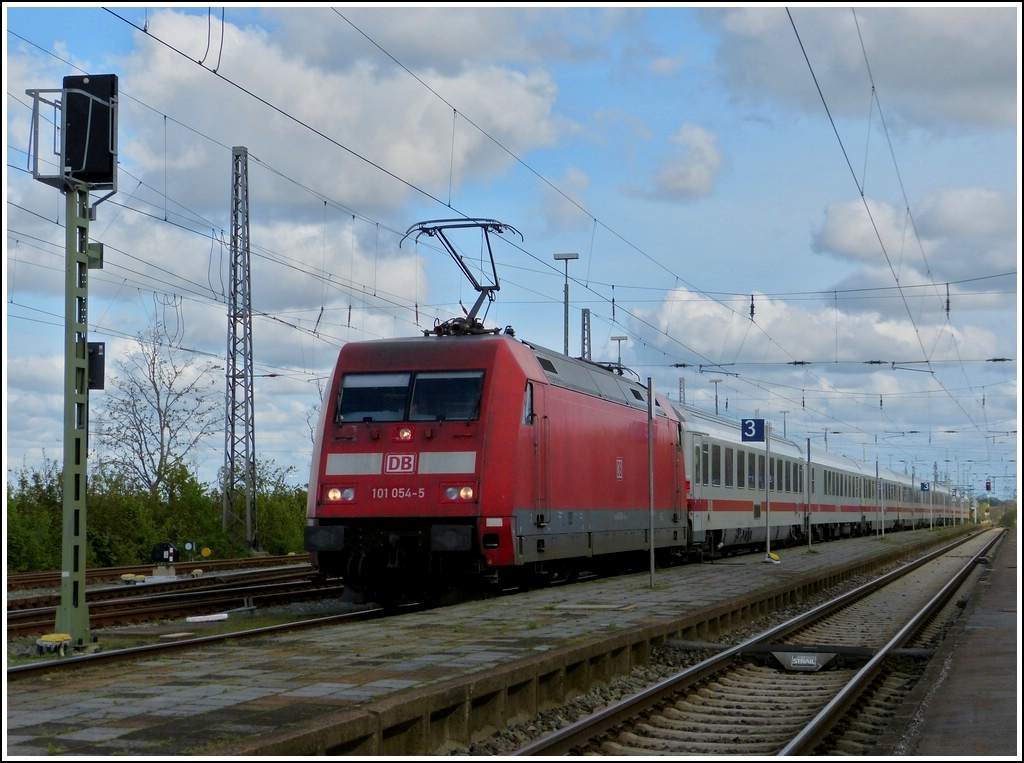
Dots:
pixel 424 396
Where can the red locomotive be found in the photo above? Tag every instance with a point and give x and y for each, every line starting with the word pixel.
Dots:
pixel 467 458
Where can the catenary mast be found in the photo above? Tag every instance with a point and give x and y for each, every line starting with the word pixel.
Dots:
pixel 239 514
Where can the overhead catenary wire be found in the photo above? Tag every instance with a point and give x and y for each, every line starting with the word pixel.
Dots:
pixel 615 318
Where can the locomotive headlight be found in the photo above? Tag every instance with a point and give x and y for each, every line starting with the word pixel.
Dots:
pixel 341 494
pixel 459 493
pixel 402 434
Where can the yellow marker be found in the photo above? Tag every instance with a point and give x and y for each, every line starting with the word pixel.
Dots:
pixel 53 642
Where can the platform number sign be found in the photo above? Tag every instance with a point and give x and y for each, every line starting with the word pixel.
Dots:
pixel 925 487
pixel 752 430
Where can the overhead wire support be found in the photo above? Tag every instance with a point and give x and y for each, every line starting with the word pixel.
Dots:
pixel 239 508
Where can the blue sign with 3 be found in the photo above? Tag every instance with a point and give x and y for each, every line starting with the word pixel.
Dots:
pixel 752 430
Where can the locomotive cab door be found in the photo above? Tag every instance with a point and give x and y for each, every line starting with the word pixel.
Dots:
pixel 536 420
pixel 533 474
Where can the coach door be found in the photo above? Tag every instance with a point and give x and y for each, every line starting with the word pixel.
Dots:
pixel 699 478
pixel 697 465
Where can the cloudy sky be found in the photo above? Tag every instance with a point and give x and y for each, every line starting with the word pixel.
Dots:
pixel 817 207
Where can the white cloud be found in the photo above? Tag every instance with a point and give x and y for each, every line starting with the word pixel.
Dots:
pixel 689 168
pixel 897 52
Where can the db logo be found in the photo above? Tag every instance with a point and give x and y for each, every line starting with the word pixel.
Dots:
pixel 400 463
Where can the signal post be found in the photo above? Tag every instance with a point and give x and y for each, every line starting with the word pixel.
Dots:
pixel 83 159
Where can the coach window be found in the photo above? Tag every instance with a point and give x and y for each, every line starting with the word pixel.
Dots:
pixel 704 463
pixel 716 464
pixel 741 468
pixel 751 469
pixel 760 471
pixel 789 478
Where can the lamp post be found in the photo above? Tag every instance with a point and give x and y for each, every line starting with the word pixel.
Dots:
pixel 783 423
pixel 620 340
pixel 565 257
pixel 716 382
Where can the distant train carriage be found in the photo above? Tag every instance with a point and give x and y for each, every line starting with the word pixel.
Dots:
pixel 738 490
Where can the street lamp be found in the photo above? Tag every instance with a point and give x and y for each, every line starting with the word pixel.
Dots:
pixel 565 257
pixel 716 382
pixel 620 340
pixel 783 423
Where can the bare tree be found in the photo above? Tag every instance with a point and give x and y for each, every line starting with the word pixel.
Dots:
pixel 156 411
pixel 314 413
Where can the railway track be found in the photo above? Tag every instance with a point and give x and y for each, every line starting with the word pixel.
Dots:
pixel 126 605
pixel 132 587
pixel 22 581
pixel 822 683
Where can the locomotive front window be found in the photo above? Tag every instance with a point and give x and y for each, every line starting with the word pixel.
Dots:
pixel 446 396
pixel 425 396
pixel 372 397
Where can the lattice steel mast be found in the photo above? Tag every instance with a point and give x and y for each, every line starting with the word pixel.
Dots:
pixel 239 514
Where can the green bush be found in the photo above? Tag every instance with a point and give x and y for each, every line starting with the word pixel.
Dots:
pixel 124 520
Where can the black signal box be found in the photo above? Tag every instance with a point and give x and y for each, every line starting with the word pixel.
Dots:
pixel 90 143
